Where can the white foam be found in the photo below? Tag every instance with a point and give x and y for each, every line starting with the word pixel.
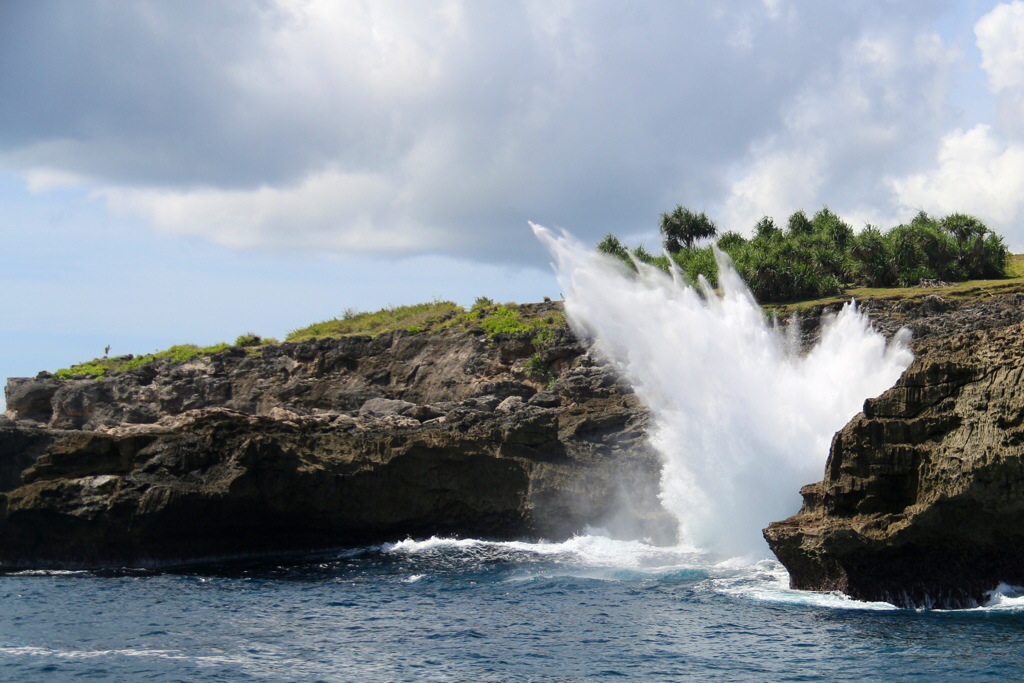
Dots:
pixel 590 550
pixel 600 558
pixel 1005 598
pixel 768 581
pixel 742 420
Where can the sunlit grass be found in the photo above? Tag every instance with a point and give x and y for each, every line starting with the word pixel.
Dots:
pixel 99 367
pixel 494 320
pixel 969 289
pixel 413 318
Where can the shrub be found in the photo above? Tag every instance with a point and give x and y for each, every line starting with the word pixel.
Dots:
pixel 816 257
pixel 697 262
pixel 481 303
pixel 731 240
pixel 503 320
pixel 832 228
pixel 536 369
pixel 872 258
pixel 765 229
pixel 995 257
pixel 248 339
pixel 799 224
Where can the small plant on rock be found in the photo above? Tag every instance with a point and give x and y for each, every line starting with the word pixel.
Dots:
pixel 248 339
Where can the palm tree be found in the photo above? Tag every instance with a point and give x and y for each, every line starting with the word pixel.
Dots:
pixel 682 227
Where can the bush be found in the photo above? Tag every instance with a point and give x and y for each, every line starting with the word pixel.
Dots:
pixel 248 339
pixel 536 369
pixel 731 240
pixel 697 262
pixel 799 225
pixel 482 303
pixel 816 257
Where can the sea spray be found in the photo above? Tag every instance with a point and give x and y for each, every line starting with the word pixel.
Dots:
pixel 742 418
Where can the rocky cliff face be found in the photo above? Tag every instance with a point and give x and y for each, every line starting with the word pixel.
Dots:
pixel 320 444
pixel 362 440
pixel 922 502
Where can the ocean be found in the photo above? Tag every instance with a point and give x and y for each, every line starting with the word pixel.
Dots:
pixel 590 608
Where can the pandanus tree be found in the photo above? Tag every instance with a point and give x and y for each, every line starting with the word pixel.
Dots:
pixel 680 228
pixel 969 233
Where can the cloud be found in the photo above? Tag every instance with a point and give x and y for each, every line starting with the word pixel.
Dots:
pixel 1000 35
pixel 977 173
pixel 980 169
pixel 304 216
pixel 848 130
pixel 408 127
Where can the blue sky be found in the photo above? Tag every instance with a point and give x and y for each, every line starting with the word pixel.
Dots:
pixel 175 172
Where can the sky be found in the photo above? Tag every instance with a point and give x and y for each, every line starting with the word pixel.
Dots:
pixel 185 172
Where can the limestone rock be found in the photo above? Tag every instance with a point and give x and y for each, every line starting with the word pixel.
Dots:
pixel 319 444
pixel 922 503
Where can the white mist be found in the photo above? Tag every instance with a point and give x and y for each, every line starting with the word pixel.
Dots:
pixel 742 419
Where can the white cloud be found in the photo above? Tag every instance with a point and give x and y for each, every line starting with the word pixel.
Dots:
pixel 980 169
pixel 345 212
pixel 977 173
pixel 1000 38
pixel 42 179
pixel 775 183
pixel 846 131
pixel 398 127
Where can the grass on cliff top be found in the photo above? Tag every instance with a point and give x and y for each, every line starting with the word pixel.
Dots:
pixel 1013 282
pixel 414 318
pixel 492 318
pixel 100 367
pixel 511 319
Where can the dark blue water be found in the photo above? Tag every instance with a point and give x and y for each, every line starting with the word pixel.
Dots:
pixel 589 609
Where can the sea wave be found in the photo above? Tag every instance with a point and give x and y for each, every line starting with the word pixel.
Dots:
pixel 598 557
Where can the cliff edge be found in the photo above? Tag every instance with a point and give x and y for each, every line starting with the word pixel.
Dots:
pixel 922 502
pixel 324 443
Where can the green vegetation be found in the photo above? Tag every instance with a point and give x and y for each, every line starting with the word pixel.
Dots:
pixel 813 261
pixel 494 319
pixel 682 227
pixel 1013 282
pixel 506 319
pixel 248 339
pixel 414 318
pixel 536 369
pixel 99 367
pixel 822 256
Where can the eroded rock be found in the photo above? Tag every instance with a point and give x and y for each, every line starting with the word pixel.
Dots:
pixel 319 444
pixel 922 503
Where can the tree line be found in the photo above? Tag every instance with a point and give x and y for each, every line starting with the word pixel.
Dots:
pixel 814 257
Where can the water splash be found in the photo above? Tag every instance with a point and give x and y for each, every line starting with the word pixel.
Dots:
pixel 742 419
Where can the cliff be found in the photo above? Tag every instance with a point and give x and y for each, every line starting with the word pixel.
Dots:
pixel 323 443
pixel 358 439
pixel 922 501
